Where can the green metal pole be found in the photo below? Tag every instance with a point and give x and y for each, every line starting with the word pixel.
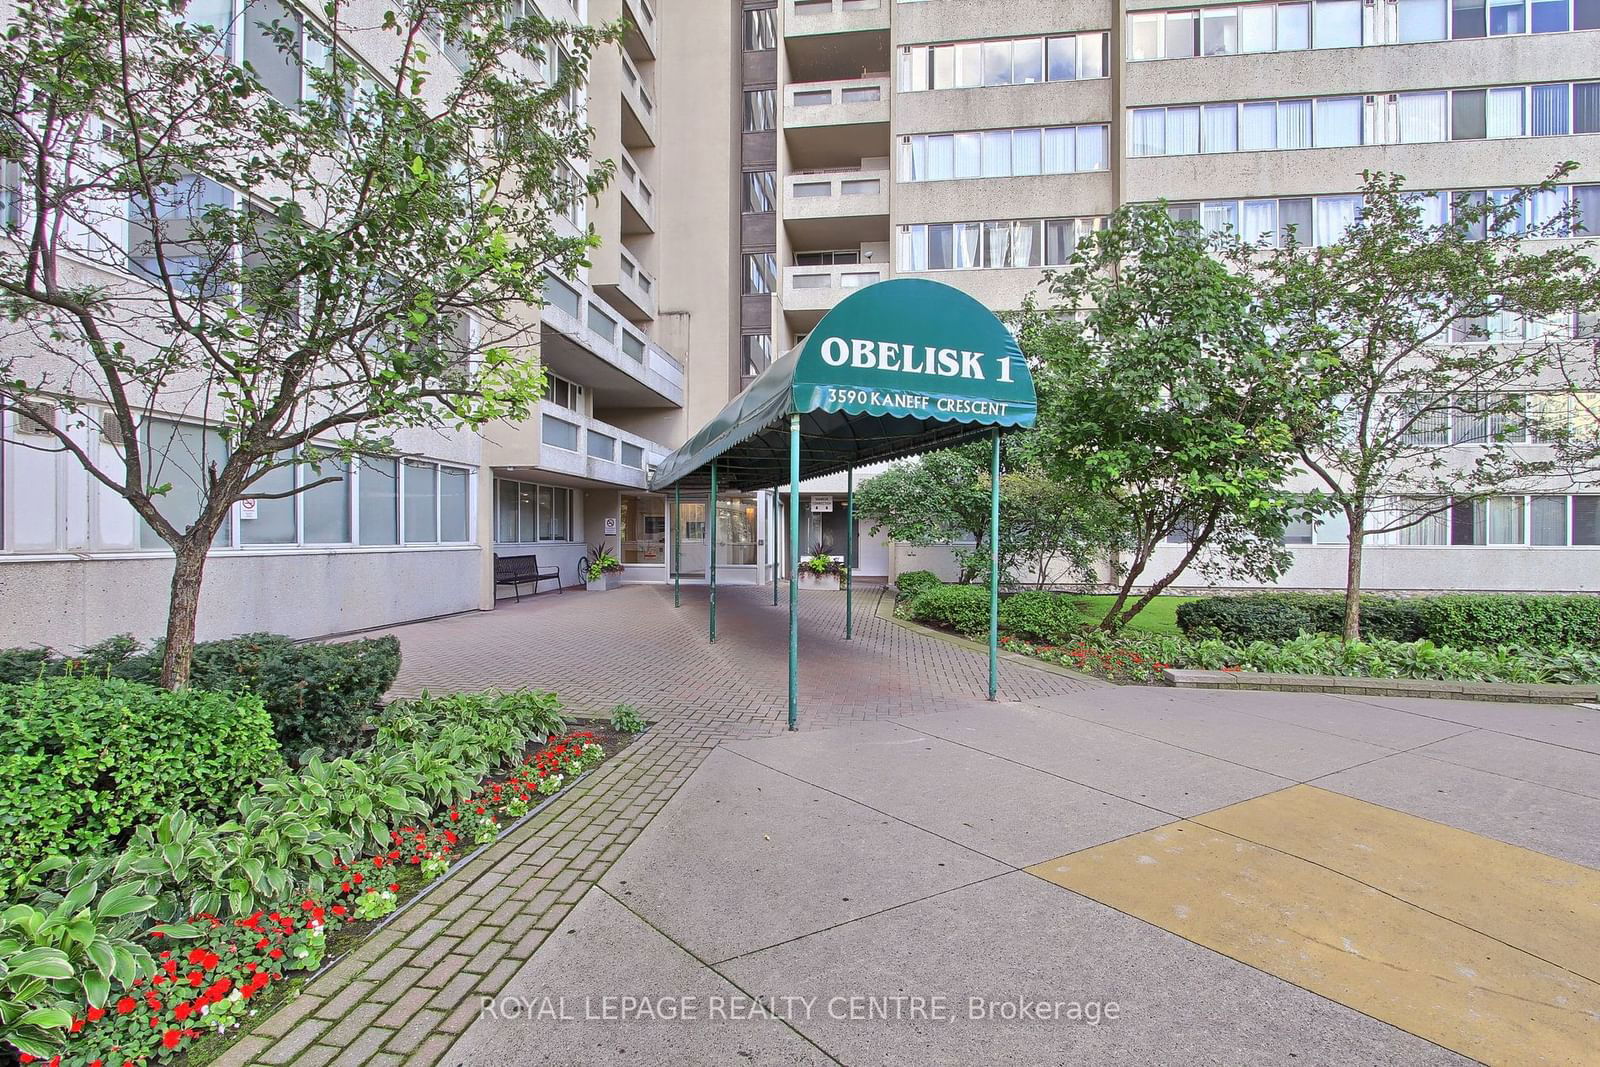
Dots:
pixel 711 546
pixel 677 523
pixel 772 539
pixel 994 567
pixel 794 570
pixel 849 548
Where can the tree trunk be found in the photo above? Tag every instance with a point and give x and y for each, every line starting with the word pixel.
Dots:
pixel 1136 568
pixel 1352 580
pixel 182 610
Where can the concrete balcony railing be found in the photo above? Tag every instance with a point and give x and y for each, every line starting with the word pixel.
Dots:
pixel 643 36
pixel 588 324
pixel 852 102
pixel 586 447
pixel 639 199
pixel 817 17
pixel 636 284
pixel 836 194
pixel 639 114
pixel 819 288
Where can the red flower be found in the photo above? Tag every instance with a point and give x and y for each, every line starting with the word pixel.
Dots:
pixel 96 1014
pixel 126 1005
pixel 394 887
pixel 170 1039
pixel 181 1012
pixel 276 954
pixel 76 1026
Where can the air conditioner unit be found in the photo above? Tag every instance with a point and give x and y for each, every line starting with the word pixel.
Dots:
pixel 34 418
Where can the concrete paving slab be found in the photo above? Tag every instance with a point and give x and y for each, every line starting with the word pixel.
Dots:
pixel 1330 933
pixel 1280 748
pixel 1140 769
pixel 564 1006
pixel 1517 757
pixel 1019 937
pixel 1551 821
pixel 747 857
pixel 1342 716
pixel 951 790
pixel 1572 726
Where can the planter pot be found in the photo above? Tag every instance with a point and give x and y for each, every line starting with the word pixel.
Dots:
pixel 810 579
pixel 608 580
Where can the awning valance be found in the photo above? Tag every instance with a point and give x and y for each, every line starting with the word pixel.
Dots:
pixel 895 369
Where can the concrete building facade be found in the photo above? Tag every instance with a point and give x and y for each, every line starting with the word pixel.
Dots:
pixel 774 155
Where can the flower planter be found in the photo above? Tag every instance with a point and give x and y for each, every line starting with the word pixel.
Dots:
pixel 608 580
pixel 810 579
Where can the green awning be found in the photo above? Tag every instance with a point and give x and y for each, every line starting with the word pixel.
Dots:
pixel 897 368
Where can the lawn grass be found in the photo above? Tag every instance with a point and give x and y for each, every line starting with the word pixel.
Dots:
pixel 1160 616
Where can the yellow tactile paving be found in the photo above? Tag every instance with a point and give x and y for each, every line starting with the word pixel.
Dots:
pixel 1395 959
pixel 1547 906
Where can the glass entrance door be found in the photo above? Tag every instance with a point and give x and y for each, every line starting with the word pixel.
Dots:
pixel 692 538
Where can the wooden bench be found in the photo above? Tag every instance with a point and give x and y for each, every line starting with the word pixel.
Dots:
pixel 514 570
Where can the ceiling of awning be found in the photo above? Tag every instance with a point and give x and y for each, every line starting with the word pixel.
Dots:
pixel 898 368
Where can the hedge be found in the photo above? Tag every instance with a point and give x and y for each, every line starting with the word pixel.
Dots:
pixel 1038 615
pixel 1457 620
pixel 910 583
pixel 319 696
pixel 962 608
pixel 88 758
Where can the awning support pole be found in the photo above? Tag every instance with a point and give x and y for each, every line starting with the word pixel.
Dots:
pixel 773 539
pixel 711 546
pixel 849 548
pixel 794 570
pixel 677 523
pixel 994 566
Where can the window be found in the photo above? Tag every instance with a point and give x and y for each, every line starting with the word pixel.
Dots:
pixel 526 513
pixel 1294 27
pixel 999 244
pixel 1420 117
pixel 1421 20
pixel 632 456
pixel 755 354
pixel 1338 121
pixel 1220 128
pixel 1495 520
pixel 1586 107
pixel 760 110
pixel 1468 19
pixel 760 29
pixel 1506 17
pixel 1547 523
pixel 601 445
pixel 1549 114
pixel 1178 36
pixel 1336 24
pixel 1468 115
pixel 277 67
pixel 421 505
pixel 1503 112
pixel 760 272
pixel 1256 23
pixel 379 500
pixel 174 220
pixel 274 520
pixel 326 505
pixel 1586 208
pixel 558 433
pixel 454 518
pixel 1586 520
pixel 178 454
pixel 1020 61
pixel 563 393
pixel 1219 31
pixel 1586 14
pixel 1550 16
pixel 644 528
pixel 1061 59
pixel 1144 37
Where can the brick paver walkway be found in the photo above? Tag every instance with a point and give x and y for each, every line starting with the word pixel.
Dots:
pixel 409 990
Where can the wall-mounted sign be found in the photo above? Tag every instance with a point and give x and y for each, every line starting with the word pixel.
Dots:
pixel 611 524
pixel 247 509
pixel 821 504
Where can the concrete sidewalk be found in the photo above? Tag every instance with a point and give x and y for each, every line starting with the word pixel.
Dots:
pixel 1248 878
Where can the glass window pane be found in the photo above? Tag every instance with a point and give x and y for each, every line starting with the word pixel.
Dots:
pixel 1294 218
pixel 1219 216
pixel 1148 132
pixel 545 498
pixel 1221 128
pixel 941 251
pixel 600 445
pixel 1060 238
pixel 421 490
pixel 1468 19
pixel 1549 520
pixel 379 501
pixel 277 66
pixel 1505 520
pixel 1258 126
pixel 941 164
pixel 1506 17
pixel 1338 122
pixel 968 245
pixel 1468 119
pixel 914 69
pixel 1550 16
pixel 505 512
pixel 1586 107
pixel 760 191
pixel 1093 144
pixel 1421 117
pixel 1335 214
pixel 1255 28
pixel 760 110
pixel 327 506
pixel 969 65
pixel 1026 250
pixel 1549 112
pixel 1024 152
pixel 1586 208
pixel 996 244
pixel 1294 27
pixel 1504 112
pixel 996 153
pixel 1259 222
pixel 1183 131
pixel 1294 124
pixel 1219 31
pixel 1421 20
pixel 559 433
pixel 453 517
pixel 1336 24
pixel 944 67
pixel 1586 520
pixel 1061 59
pixel 1059 150
pixel 1178 38
pixel 997 62
pixel 1027 61
pixel 1144 39
pixel 1586 14
pixel 1093 50
pixel 968 155
pixel 274 522
pixel 527 513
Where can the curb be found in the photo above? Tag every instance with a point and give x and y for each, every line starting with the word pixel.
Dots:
pixel 1441 689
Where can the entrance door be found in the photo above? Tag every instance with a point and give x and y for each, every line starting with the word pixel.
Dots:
pixel 692 538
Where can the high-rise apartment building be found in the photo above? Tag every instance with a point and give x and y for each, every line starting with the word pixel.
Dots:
pixel 770 158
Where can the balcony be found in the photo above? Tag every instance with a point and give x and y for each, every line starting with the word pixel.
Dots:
pixel 639 114
pixel 810 292
pixel 585 340
pixel 634 290
pixel 829 39
pixel 638 201
pixel 823 17
pixel 836 208
pixel 559 440
pixel 643 36
pixel 829 124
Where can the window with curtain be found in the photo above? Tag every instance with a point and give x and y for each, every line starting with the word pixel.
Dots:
pixel 1335 214
pixel 1338 121
pixel 1421 20
pixel 1148 132
pixel 1421 117
pixel 969 65
pixel 760 29
pixel 1258 126
pixel 1183 131
pixel 1258 221
pixel 968 245
pixel 1586 208
pixel 1060 238
pixel 1586 520
pixel 1468 115
pixel 760 110
pixel 1468 18
pixel 914 248
pixel 1093 53
pixel 1219 216
pixel 1026 245
pixel 1294 124
pixel 1503 112
pixel 1025 152
pixel 1179 35
pixel 996 153
pixel 1093 145
pixel 968 155
pixel 1586 107
pixel 914 159
pixel 1336 23
pixel 760 272
pixel 1548 114
pixel 941 246
pixel 760 191
pixel 944 67
pixel 914 69
pixel 1547 520
pixel 1294 27
pixel 1256 28
pixel 1059 150
pixel 1220 128
pixel 1144 36
pixel 1507 17
pixel 997 244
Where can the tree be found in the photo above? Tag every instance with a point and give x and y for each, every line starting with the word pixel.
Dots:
pixel 1425 326
pixel 945 496
pixel 306 256
pixel 1160 393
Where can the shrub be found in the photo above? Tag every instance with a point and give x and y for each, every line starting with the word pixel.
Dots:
pixel 1245 618
pixel 1038 615
pixel 962 608
pixel 87 758
pixel 910 583
pixel 626 719
pixel 1487 620
pixel 319 696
